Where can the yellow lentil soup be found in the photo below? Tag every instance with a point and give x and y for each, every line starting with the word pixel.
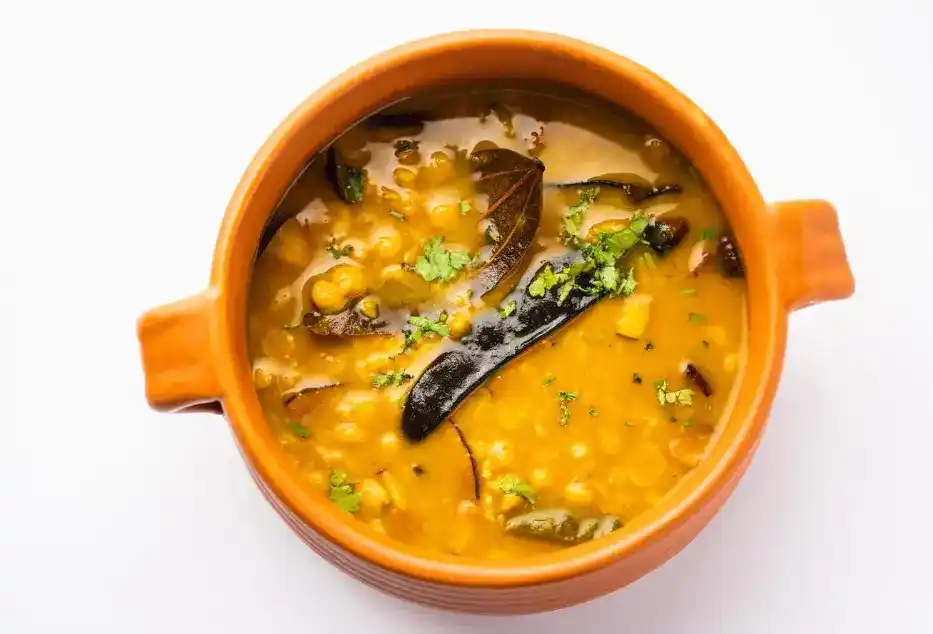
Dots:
pixel 496 323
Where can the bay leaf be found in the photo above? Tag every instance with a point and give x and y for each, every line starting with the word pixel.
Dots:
pixel 513 184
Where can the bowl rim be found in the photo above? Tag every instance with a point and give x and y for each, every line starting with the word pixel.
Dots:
pixel 751 401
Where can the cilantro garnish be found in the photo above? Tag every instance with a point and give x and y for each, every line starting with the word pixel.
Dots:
pixel 697 318
pixel 592 411
pixel 391 378
pixel 339 252
pixel 510 484
pixel 398 215
pixel 564 398
pixel 465 207
pixel 508 308
pixel 679 397
pixel 573 219
pixel 343 493
pixel 600 262
pixel 437 263
pixel 425 326
pixel 299 430
pixel 548 380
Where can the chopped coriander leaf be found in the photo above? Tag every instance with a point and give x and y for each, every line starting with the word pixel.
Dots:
pixel 688 291
pixel 492 234
pixel 705 343
pixel 649 346
pixel 543 282
pixel 636 379
pixel 398 215
pixel 649 260
pixel 390 379
pixel 548 380
pixel 564 293
pixel 627 287
pixel 465 207
pixel 697 318
pixel 343 493
pixel 679 397
pixel 708 234
pixel 600 260
pixel 688 422
pixel 513 485
pixel 573 219
pixel 437 263
pixel 425 326
pixel 299 430
pixel 564 398
pixel 339 252
pixel 592 411
pixel 508 309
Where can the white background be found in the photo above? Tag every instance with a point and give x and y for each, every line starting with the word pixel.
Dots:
pixel 125 127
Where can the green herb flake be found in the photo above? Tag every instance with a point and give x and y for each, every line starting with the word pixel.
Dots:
pixel 636 379
pixel 339 252
pixel 492 234
pixel 688 291
pixel 708 234
pixel 705 343
pixel 508 309
pixel 627 287
pixel 343 493
pixel 513 485
pixel 437 263
pixel 543 282
pixel 592 411
pixel 548 380
pixel 299 430
pixel 425 326
pixel 697 318
pixel 573 219
pixel 391 378
pixel 465 207
pixel 679 397
pixel 688 422
pixel 649 346
pixel 565 398
pixel 629 423
pixel 600 259
pixel 398 215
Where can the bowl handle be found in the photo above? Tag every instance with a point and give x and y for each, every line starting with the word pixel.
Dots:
pixel 177 355
pixel 810 256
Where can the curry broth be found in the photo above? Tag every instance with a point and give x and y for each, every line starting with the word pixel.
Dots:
pixel 619 451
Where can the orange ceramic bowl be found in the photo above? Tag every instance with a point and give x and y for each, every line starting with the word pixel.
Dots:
pixel 195 352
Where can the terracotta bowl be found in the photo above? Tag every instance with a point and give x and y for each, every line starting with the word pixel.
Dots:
pixel 195 352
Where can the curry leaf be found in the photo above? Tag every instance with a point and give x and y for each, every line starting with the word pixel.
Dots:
pixel 346 181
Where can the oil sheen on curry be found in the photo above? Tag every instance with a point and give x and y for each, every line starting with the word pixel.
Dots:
pixel 496 324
